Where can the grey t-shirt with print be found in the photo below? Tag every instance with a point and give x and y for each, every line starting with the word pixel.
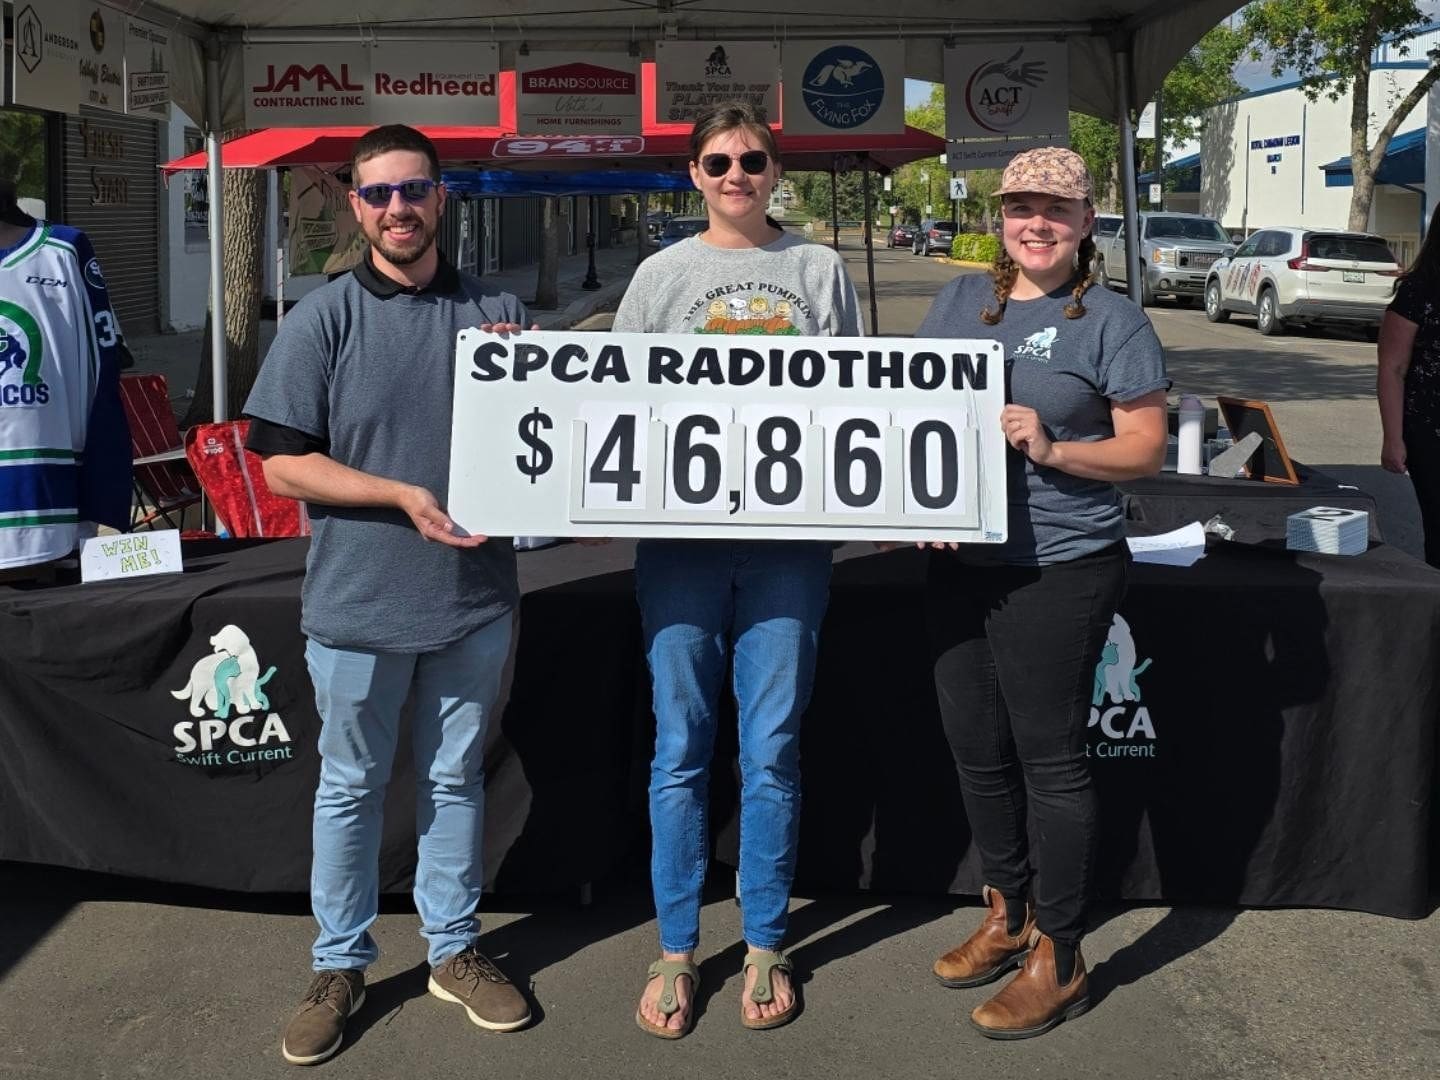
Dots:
pixel 1068 371
pixel 790 286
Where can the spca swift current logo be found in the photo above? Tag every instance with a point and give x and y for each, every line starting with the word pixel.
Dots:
pixel 1038 345
pixel 228 684
pixel 1126 729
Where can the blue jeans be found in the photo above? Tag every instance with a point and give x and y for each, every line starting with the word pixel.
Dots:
pixel 698 601
pixel 359 694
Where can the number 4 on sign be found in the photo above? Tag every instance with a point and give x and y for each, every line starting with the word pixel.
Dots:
pixel 616 448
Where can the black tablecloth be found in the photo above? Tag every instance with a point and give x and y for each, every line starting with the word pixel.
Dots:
pixel 1292 701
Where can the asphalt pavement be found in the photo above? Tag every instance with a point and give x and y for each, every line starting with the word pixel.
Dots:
pixel 103 977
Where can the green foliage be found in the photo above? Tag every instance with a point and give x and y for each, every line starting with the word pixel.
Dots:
pixel 22 152
pixel 1321 38
pixel 975 247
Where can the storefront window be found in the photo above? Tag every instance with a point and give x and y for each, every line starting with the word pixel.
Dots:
pixel 24 158
pixel 197 196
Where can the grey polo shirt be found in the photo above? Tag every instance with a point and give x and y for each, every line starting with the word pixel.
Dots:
pixel 363 370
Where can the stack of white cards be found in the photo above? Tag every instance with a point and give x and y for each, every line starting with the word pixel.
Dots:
pixel 1329 530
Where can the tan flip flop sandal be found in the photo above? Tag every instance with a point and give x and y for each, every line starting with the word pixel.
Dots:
pixel 765 962
pixel 669 1003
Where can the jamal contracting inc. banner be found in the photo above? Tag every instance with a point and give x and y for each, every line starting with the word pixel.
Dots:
pixel 731 433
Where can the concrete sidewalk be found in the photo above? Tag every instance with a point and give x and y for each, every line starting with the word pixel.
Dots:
pixel 177 356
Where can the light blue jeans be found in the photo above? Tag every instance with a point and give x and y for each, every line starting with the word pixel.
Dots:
pixel 698 601
pixel 359 694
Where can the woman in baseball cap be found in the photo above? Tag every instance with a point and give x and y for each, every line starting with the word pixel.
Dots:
pixel 1017 628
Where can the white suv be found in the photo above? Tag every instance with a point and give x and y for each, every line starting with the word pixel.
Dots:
pixel 1287 276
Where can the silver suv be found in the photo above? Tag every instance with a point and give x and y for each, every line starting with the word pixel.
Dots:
pixel 1287 276
pixel 933 235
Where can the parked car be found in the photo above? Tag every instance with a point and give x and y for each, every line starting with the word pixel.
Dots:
pixel 933 235
pixel 1176 253
pixel 655 222
pixel 1289 276
pixel 678 228
pixel 1106 225
pixel 902 235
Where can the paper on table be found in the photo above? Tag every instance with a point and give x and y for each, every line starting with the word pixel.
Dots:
pixel 1179 547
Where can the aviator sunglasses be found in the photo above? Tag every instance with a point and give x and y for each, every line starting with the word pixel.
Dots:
pixel 753 162
pixel 412 191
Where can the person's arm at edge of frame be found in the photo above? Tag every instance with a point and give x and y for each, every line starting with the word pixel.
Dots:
pixel 318 478
pixel 1397 340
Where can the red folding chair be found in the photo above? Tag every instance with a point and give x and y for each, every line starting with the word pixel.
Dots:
pixel 163 487
pixel 233 479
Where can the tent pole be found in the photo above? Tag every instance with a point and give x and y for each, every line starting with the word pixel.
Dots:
pixel 1128 194
pixel 214 193
pixel 870 254
pixel 834 206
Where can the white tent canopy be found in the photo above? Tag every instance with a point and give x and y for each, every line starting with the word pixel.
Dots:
pixel 1119 52
pixel 1154 33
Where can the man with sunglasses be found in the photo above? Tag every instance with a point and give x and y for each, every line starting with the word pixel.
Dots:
pixel 351 413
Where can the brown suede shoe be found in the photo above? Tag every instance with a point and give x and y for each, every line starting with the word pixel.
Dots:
pixel 1034 1002
pixel 990 951
pixel 468 978
pixel 315 1031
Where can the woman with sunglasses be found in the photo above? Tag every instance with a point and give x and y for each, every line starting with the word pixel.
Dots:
pixel 1016 629
pixel 703 603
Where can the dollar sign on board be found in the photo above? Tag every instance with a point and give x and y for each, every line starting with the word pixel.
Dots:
pixel 538 461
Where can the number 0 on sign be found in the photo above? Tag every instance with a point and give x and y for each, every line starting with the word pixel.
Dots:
pixel 734 435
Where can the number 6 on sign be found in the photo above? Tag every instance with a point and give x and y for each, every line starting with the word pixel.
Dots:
pixel 697 441
pixel 855 481
pixel 617 442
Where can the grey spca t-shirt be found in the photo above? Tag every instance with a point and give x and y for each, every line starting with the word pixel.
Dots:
pixel 789 286
pixel 1068 371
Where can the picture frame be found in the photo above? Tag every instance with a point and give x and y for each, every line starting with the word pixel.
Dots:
pixel 1271 462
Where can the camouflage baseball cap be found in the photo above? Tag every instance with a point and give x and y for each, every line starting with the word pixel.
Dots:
pixel 1050 170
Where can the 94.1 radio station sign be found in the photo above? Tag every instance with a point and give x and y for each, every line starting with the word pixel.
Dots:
pixel 731 435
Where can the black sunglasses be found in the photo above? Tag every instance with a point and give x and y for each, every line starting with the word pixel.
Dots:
pixel 753 162
pixel 412 191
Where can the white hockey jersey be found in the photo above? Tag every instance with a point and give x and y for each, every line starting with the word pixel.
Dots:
pixel 64 443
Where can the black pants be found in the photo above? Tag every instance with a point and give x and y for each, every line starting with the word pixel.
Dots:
pixel 1015 650
pixel 1422 459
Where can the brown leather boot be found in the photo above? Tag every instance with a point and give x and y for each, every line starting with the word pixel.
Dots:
pixel 990 951
pixel 1034 1002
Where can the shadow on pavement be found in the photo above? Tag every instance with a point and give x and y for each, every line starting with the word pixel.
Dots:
pixel 1179 932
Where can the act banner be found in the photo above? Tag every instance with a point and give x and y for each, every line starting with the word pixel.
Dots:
pixel 1005 89
pixel 726 434
pixel 693 76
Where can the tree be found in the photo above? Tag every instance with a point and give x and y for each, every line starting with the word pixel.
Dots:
pixel 243 203
pixel 1331 45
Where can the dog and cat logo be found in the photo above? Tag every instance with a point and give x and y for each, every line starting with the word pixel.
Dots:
pixel 1038 345
pixel 1115 706
pixel 227 686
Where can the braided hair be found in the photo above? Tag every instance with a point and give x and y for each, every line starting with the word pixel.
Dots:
pixel 1005 270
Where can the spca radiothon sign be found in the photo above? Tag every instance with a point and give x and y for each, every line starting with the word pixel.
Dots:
pixel 1120 725
pixel 1021 88
pixel 231 719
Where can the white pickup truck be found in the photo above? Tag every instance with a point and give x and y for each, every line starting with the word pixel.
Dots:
pixel 1176 252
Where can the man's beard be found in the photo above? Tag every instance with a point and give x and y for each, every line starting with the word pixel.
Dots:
pixel 405 256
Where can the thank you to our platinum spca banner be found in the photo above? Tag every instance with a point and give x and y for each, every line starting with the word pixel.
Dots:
pixel 736 434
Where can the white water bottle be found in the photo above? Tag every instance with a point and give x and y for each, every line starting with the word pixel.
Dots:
pixel 1192 428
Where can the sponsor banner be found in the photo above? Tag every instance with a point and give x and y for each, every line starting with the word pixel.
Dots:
pixel 570 147
pixel 692 76
pixel 839 88
pixel 303 85
pixel 324 236
pixel 148 63
pixel 430 82
pixel 1005 89
pixel 573 94
pixel 745 428
pixel 101 66
pixel 47 37
pixel 993 153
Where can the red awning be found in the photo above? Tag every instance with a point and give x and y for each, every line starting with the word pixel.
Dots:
pixel 661 147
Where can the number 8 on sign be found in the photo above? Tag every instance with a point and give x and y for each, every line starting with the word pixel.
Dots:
pixel 777 453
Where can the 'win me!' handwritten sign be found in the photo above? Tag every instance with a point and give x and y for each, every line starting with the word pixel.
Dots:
pixel 131 555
